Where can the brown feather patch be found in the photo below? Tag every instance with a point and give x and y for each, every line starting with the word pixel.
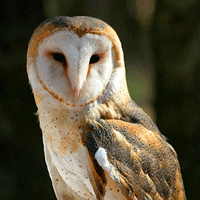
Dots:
pixel 147 166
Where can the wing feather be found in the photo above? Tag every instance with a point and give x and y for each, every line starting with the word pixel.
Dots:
pixel 145 165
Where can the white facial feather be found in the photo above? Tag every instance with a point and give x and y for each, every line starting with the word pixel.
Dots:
pixel 90 79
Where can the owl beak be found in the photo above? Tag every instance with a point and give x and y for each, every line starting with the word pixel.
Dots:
pixel 76 92
pixel 76 81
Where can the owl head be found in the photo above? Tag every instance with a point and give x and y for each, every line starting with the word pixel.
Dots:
pixel 75 60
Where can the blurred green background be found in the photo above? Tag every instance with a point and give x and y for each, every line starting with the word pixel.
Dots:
pixel 161 42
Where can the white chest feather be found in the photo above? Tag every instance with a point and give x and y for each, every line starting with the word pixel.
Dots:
pixel 62 141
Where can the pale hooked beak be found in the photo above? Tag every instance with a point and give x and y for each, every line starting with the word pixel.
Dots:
pixel 76 86
pixel 77 77
pixel 76 92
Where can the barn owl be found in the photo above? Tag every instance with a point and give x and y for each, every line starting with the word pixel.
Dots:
pixel 98 143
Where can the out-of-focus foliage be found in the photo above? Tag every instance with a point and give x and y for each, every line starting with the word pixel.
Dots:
pixel 161 41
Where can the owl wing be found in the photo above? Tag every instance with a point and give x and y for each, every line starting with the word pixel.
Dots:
pixel 139 161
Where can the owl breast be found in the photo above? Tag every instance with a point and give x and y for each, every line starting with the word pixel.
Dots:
pixel 64 149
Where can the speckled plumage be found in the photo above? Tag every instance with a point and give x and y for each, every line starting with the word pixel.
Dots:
pixel 98 143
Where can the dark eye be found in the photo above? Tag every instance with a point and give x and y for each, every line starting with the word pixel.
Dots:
pixel 95 58
pixel 59 57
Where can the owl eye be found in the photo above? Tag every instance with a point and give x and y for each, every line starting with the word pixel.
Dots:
pixel 59 57
pixel 94 58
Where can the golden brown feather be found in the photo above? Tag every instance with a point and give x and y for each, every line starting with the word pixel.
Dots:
pixel 147 165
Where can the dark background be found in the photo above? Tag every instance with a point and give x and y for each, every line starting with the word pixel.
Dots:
pixel 161 42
